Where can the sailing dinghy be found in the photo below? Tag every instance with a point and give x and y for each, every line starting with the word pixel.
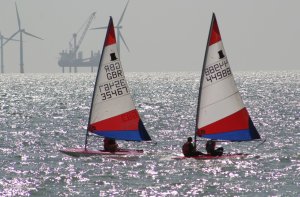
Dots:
pixel 221 113
pixel 112 114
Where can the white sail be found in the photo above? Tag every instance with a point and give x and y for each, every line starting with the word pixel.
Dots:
pixel 221 111
pixel 113 113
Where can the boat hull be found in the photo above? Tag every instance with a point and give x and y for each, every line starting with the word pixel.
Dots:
pixel 209 157
pixel 81 152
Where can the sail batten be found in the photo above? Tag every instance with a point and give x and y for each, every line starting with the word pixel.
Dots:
pixel 218 101
pixel 221 113
pixel 113 113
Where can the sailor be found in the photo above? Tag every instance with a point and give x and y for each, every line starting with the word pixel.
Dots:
pixel 189 150
pixel 110 145
pixel 211 148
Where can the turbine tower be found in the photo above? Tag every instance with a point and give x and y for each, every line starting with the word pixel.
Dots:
pixel 21 32
pixel 2 50
pixel 118 28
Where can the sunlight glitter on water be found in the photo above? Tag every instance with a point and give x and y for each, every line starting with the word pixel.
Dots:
pixel 41 113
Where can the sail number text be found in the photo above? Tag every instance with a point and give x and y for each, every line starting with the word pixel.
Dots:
pixel 113 89
pixel 115 84
pixel 217 71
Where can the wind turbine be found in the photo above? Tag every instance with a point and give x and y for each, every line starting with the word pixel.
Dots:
pixel 21 32
pixel 2 50
pixel 118 28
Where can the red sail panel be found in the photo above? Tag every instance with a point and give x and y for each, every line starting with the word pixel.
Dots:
pixel 111 38
pixel 236 121
pixel 215 33
pixel 126 121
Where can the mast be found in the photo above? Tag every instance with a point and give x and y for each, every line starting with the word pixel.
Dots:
pixel 2 56
pixel 95 88
pixel 202 77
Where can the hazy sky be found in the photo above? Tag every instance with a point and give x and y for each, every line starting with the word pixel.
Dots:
pixel 163 35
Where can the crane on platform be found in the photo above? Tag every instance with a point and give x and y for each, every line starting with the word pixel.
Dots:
pixel 70 59
pixel 87 25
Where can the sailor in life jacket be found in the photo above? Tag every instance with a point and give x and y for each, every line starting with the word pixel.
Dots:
pixel 189 150
pixel 211 148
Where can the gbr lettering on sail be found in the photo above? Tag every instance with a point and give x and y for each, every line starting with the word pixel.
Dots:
pixel 115 84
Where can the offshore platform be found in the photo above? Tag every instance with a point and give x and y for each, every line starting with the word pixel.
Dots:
pixel 73 58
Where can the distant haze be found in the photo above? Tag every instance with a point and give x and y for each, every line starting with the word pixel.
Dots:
pixel 162 35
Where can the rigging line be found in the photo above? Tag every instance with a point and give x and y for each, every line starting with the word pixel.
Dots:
pixel 260 144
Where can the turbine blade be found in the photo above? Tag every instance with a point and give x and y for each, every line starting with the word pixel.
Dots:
pixel 118 40
pixel 98 28
pixel 18 17
pixel 5 38
pixel 10 38
pixel 29 34
pixel 121 18
pixel 123 40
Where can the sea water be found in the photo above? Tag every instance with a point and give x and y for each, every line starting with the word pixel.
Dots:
pixel 42 113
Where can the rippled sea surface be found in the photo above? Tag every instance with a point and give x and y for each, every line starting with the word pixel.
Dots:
pixel 42 113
